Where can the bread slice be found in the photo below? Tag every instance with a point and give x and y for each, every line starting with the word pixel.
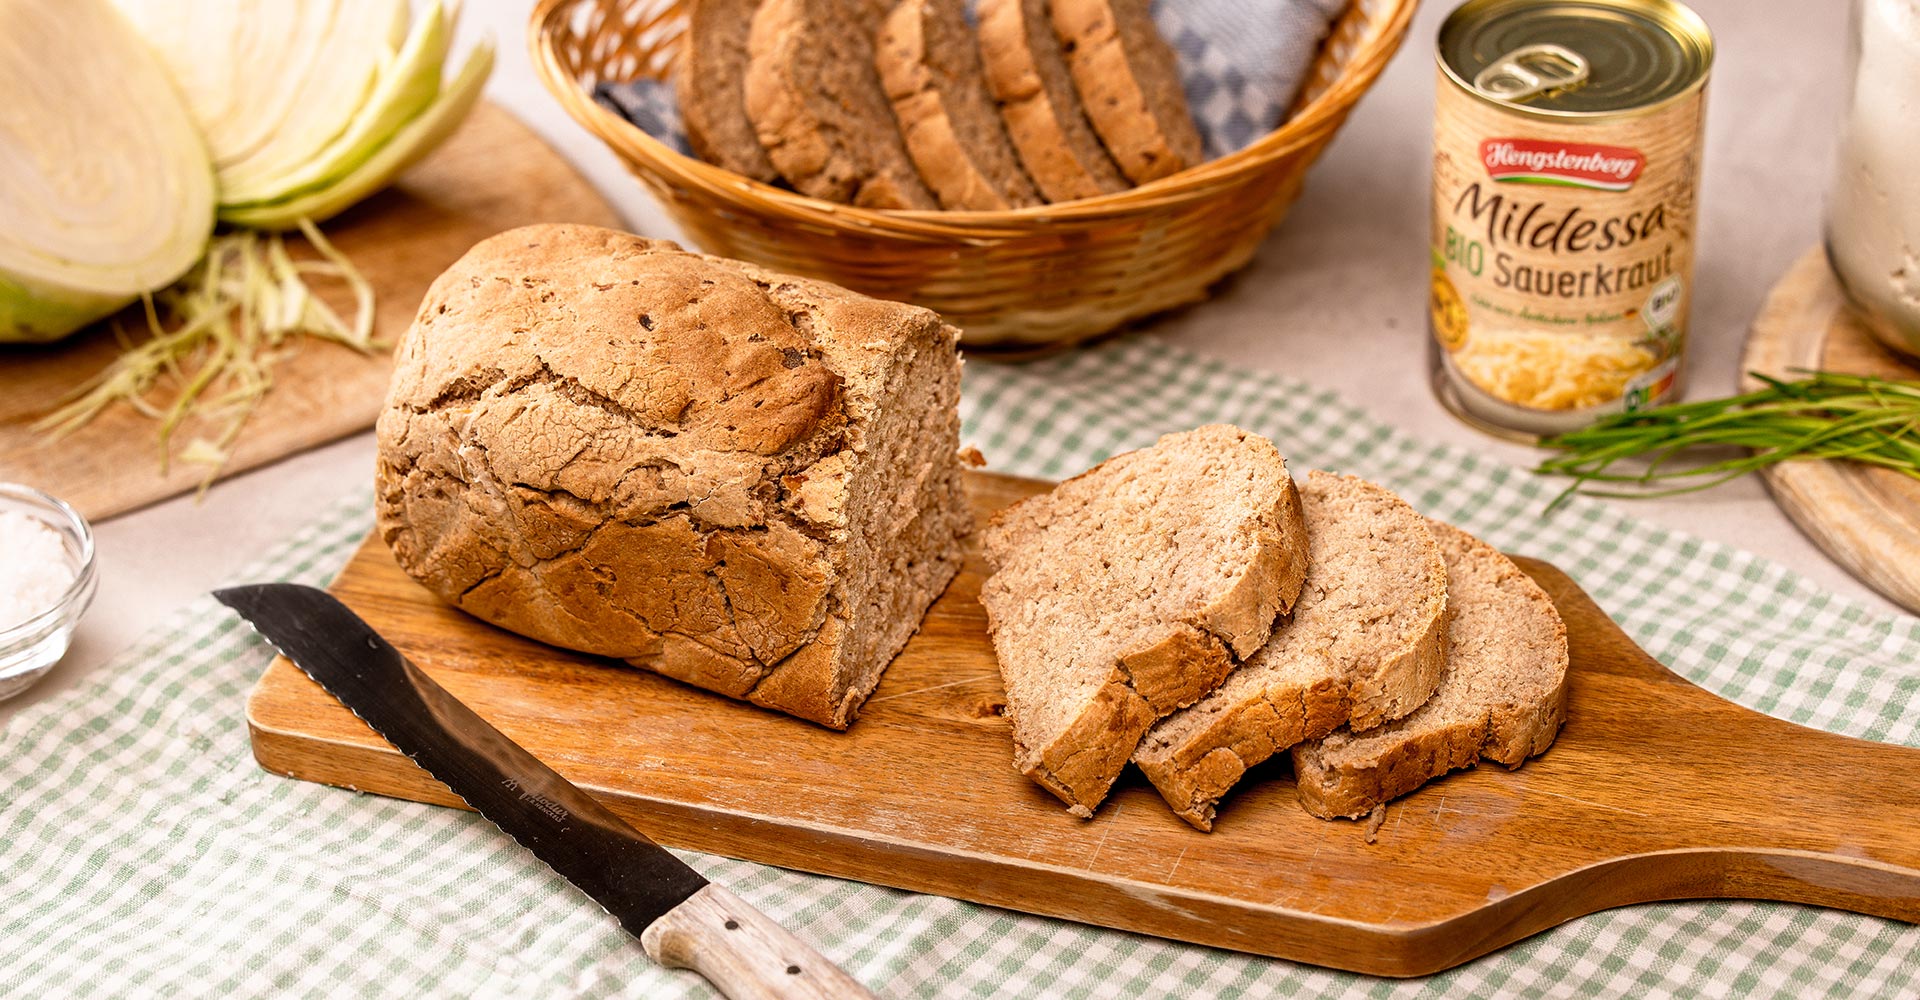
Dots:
pixel 1027 75
pixel 817 106
pixel 930 67
pixel 1129 81
pixel 870 13
pixel 1366 643
pixel 1130 590
pixel 1503 697
pixel 709 82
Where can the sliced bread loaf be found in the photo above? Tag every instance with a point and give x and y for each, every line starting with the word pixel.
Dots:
pixel 1027 75
pixel 1503 697
pixel 1366 643
pixel 930 67
pixel 1129 591
pixel 709 81
pixel 817 106
pixel 1129 81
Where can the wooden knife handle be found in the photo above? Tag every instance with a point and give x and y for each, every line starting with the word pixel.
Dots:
pixel 743 952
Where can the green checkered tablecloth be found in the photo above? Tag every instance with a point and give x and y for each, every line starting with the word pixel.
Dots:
pixel 142 852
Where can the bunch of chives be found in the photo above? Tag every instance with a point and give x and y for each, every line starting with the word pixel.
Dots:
pixel 1859 418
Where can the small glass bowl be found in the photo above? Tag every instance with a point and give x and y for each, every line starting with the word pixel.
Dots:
pixel 30 648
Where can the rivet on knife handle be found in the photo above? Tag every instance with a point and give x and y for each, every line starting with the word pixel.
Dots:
pixel 743 952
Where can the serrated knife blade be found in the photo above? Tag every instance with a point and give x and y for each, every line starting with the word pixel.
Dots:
pixel 681 919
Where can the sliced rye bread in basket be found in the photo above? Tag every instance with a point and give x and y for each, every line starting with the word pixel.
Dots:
pixel 930 67
pixel 1503 697
pixel 871 13
pixel 1028 76
pixel 1366 643
pixel 1130 590
pixel 1129 81
pixel 709 82
pixel 816 104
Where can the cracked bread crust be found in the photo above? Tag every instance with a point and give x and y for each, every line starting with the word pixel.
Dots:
pixel 740 479
pixel 1130 591
pixel 1367 641
pixel 1503 697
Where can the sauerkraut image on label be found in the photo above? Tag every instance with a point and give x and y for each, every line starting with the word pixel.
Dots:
pixel 1543 370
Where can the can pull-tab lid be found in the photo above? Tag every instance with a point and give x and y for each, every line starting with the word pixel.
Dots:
pixel 1531 70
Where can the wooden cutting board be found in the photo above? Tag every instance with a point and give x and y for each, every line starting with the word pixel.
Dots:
pixel 493 174
pixel 1867 519
pixel 1655 790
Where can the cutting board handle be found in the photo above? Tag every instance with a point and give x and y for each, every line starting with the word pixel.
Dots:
pixel 743 952
pixel 1753 807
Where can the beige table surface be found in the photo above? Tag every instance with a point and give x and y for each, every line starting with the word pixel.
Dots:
pixel 1335 298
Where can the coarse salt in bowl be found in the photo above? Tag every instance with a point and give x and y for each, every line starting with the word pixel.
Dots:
pixel 46 582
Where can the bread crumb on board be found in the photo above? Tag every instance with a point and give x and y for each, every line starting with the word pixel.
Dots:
pixel 1375 820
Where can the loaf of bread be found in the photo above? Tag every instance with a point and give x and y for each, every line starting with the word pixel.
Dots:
pixel 930 67
pixel 1130 591
pixel 1366 643
pixel 1503 696
pixel 740 479
pixel 1129 81
pixel 1027 75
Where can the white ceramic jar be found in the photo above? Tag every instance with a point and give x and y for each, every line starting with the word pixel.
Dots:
pixel 1873 210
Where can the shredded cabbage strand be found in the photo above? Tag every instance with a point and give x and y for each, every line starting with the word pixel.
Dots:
pixel 214 337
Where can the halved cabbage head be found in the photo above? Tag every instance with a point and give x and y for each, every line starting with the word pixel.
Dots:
pixel 311 105
pixel 105 185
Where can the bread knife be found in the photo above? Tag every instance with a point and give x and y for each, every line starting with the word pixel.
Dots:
pixel 682 920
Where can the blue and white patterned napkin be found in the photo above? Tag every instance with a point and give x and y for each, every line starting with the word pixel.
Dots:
pixel 1241 63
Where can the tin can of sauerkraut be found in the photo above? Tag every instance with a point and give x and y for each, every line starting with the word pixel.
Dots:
pixel 1566 168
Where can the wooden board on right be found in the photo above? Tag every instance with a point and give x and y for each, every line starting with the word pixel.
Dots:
pixel 1867 519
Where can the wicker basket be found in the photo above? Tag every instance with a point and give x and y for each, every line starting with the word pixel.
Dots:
pixel 1021 280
